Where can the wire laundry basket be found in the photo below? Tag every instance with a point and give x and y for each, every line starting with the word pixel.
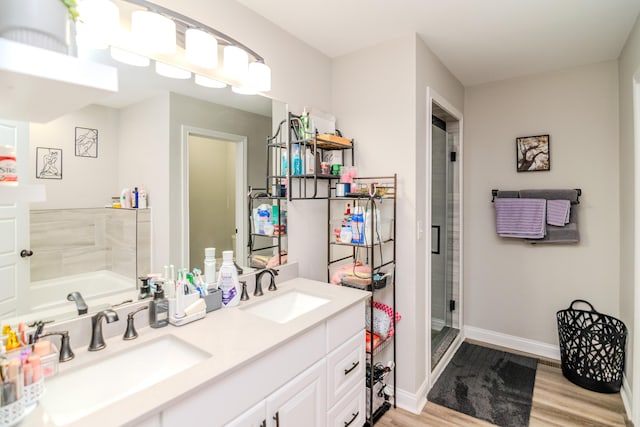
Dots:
pixel 592 348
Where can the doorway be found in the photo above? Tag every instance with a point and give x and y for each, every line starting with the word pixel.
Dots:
pixel 444 292
pixel 214 182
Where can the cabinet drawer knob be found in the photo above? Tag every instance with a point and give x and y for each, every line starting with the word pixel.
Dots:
pixel 353 418
pixel 354 366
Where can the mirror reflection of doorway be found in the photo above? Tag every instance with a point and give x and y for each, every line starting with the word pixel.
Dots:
pixel 212 197
pixel 214 182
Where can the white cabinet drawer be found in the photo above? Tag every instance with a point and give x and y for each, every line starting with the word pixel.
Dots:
pixel 346 368
pixel 349 411
pixel 342 326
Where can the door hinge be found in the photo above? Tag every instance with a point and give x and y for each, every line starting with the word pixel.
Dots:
pixel 452 156
pixel 452 305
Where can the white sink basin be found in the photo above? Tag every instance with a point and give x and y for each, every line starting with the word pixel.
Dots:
pixel 286 307
pixel 74 394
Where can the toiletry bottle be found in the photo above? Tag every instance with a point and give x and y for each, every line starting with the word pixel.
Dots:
pixel 210 267
pixel 305 132
pixel 228 281
pixel 297 160
pixel 125 198
pixel 134 197
pixel 357 226
pixel 142 198
pixel 285 163
pixel 158 309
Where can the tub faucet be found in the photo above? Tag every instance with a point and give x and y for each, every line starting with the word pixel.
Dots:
pixel 97 340
pixel 80 303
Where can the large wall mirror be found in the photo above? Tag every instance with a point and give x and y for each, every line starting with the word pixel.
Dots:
pixel 136 138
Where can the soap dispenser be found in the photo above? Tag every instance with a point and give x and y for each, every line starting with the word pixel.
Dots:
pixel 159 309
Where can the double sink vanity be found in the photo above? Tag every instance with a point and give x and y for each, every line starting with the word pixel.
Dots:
pixel 295 356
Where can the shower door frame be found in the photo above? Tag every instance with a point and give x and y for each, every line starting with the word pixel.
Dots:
pixel 434 97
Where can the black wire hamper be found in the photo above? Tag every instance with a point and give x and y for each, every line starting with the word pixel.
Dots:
pixel 592 348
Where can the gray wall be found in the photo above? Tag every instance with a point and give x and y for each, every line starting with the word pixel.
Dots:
pixel 629 64
pixel 187 111
pixel 512 287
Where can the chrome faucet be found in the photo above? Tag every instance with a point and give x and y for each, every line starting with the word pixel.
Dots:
pixel 97 340
pixel 272 285
pixel 66 353
pixel 81 305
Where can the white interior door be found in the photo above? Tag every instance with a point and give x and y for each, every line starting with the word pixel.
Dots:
pixel 14 227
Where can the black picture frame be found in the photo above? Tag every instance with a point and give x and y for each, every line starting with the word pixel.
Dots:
pixel 48 163
pixel 533 154
pixel 86 142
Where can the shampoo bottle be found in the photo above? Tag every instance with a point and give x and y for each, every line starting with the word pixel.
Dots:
pixel 228 281
pixel 158 309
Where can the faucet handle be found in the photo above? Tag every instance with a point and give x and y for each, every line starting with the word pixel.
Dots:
pixel 66 353
pixel 131 333
pixel 245 294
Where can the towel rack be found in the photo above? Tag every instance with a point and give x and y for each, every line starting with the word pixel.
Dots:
pixel 494 194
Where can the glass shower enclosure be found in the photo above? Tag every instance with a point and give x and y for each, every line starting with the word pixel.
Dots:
pixel 442 239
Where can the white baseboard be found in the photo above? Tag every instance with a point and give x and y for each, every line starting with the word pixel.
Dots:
pixel 627 397
pixel 413 402
pixel 511 341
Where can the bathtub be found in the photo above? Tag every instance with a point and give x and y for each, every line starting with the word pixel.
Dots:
pixel 100 289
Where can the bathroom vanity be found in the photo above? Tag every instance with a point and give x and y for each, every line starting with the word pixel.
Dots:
pixel 295 356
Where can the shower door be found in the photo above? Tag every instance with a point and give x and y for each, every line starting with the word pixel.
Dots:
pixel 442 303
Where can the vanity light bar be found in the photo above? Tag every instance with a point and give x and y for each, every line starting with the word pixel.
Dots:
pixel 184 22
pixel 178 42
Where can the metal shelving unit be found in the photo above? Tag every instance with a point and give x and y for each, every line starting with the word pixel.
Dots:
pixel 378 250
pixel 260 243
pixel 307 185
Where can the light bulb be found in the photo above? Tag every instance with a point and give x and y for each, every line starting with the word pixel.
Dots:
pixel 201 48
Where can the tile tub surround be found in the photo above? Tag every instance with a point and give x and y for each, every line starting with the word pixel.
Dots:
pixel 73 241
pixel 238 339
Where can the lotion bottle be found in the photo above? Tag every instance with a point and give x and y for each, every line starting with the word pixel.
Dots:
pixel 228 281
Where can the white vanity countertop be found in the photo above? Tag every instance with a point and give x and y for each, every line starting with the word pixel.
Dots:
pixel 232 336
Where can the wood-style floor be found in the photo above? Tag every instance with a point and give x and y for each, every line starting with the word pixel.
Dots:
pixel 556 402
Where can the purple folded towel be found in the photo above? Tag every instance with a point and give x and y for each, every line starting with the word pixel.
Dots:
pixel 521 218
pixel 558 212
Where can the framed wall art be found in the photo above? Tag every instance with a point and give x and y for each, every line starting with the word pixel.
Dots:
pixel 48 163
pixel 86 142
pixel 533 153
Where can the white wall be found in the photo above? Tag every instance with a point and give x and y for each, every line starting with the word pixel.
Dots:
pixel 143 159
pixel 300 74
pixel 86 181
pixel 382 104
pixel 513 287
pixel 629 64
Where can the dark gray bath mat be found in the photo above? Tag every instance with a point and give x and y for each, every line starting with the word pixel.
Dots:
pixel 488 384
